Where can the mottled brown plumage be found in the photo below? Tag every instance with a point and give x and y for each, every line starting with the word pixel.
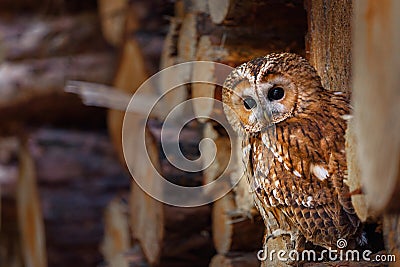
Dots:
pixel 292 132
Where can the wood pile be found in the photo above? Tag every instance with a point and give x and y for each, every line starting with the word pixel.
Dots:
pixel 55 181
pixel 197 32
pixel 66 195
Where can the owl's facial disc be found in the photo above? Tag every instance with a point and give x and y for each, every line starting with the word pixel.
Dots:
pixel 246 107
pixel 278 94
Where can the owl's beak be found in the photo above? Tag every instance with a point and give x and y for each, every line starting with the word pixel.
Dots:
pixel 267 116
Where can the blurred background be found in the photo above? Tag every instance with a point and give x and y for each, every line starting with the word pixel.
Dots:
pixel 67 198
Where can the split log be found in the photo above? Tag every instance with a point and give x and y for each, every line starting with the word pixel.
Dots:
pixel 10 235
pixel 364 212
pixel 47 7
pixel 30 217
pixel 331 56
pixel 222 154
pixel 190 6
pixel 77 174
pixel 24 80
pixel 132 64
pixel 177 236
pixel 376 102
pixel 286 19
pixel 236 259
pixel 32 90
pixel 130 258
pixel 116 238
pixel 243 199
pixel 184 37
pixel 211 51
pixel 232 231
pixel 328 43
pixel 148 16
pixel 226 11
pixel 33 36
pixel 169 57
pixel 170 48
pixel 391 230
pixel 113 19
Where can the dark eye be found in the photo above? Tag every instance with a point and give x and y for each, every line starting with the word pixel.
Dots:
pixel 276 93
pixel 249 103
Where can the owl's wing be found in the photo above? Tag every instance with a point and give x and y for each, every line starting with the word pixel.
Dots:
pixel 305 178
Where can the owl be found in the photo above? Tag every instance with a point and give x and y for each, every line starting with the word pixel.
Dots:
pixel 292 132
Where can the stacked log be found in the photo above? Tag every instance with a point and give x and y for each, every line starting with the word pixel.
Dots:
pixel 39 54
pixel 167 235
pixel 47 216
pixel 375 105
pixel 177 236
pixel 76 175
pixel 228 34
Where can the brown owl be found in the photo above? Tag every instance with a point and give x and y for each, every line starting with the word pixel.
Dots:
pixel 293 143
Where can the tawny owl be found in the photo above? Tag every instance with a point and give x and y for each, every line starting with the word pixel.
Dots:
pixel 292 132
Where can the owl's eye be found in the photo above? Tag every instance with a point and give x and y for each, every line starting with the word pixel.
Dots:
pixel 249 103
pixel 276 93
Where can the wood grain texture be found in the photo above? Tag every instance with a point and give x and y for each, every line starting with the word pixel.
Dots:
pixel 376 101
pixel 30 216
pixel 328 41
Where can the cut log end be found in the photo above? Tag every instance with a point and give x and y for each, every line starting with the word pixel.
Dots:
pixel 232 231
pixel 238 259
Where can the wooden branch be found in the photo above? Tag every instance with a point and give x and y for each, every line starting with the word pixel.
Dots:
pixel 236 259
pixel 232 231
pixel 376 102
pixel 33 36
pixel 30 217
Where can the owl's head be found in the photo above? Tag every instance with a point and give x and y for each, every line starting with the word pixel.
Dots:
pixel 268 90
